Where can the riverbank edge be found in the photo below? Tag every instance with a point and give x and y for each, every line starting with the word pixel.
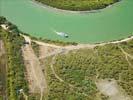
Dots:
pixel 80 45
pixel 58 42
pixel 71 11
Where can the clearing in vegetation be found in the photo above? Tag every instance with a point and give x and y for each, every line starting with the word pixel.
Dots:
pixel 111 89
pixel 37 82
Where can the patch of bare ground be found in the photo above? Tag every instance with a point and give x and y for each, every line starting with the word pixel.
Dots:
pixel 35 76
pixel 111 89
pixel 45 51
pixel 3 65
pixel 2 50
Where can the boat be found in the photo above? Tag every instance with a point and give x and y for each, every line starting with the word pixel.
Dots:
pixel 62 34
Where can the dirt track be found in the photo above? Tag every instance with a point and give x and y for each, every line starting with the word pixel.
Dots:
pixel 37 82
pixel 2 51
pixel 126 56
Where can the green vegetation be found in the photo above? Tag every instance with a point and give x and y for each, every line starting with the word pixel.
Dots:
pixel 15 65
pixel 2 20
pixel 11 27
pixel 78 5
pixel 80 69
pixel 56 42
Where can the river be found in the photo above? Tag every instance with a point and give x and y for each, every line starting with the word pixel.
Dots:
pixel 112 23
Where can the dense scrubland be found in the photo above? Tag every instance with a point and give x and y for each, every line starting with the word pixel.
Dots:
pixel 79 71
pixel 15 66
pixel 78 5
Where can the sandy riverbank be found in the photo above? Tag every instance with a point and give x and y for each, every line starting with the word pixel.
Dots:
pixel 79 46
pixel 70 11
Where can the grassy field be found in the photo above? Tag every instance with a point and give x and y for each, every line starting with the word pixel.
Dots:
pixel 78 5
pixel 73 76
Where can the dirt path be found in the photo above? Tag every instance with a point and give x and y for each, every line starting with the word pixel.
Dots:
pixel 37 82
pixel 52 68
pixel 46 44
pixel 3 68
pixel 79 46
pixel 2 50
pixel 126 56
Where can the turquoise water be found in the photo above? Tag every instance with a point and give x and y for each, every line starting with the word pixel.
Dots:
pixel 108 24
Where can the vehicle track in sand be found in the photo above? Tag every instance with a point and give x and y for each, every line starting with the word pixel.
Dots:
pixel 37 82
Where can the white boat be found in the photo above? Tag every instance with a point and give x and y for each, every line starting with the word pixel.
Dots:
pixel 62 34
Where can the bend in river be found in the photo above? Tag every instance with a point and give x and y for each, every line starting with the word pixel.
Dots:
pixel 112 23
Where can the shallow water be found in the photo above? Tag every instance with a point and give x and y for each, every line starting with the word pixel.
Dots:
pixel 108 24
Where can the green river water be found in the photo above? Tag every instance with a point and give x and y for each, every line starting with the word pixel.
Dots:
pixel 112 23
